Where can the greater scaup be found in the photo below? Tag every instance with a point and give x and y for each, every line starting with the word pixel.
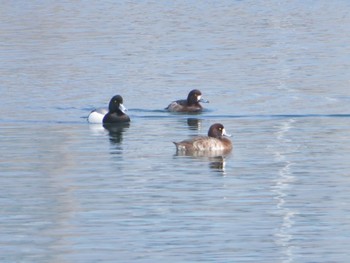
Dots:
pixel 191 104
pixel 215 141
pixel 115 114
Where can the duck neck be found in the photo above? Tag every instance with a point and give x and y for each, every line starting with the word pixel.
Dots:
pixel 191 101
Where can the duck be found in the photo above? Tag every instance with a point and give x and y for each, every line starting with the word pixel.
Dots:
pixel 216 141
pixel 116 112
pixel 191 104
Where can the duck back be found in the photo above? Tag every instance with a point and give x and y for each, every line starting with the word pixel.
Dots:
pixel 204 143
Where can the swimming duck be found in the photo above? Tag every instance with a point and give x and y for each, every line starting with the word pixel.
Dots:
pixel 116 113
pixel 191 104
pixel 215 141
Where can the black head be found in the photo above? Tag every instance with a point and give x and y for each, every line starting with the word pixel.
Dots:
pixel 116 103
pixel 217 130
pixel 194 97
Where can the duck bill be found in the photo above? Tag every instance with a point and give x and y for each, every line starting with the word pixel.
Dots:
pixel 225 134
pixel 203 101
pixel 122 108
pixel 199 99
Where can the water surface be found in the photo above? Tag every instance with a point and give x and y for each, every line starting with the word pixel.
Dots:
pixel 276 75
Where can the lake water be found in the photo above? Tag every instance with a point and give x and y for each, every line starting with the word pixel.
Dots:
pixel 277 76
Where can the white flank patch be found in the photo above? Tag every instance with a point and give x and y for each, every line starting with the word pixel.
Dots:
pixel 97 116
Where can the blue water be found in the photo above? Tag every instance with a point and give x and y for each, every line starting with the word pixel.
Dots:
pixel 276 75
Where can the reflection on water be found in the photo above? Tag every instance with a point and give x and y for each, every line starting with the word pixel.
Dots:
pixel 215 159
pixel 97 129
pixel 194 123
pixel 116 131
pixel 217 164
pixel 285 178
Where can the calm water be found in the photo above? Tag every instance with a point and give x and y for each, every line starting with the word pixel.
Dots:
pixel 277 76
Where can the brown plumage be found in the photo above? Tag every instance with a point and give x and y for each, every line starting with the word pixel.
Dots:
pixel 191 104
pixel 214 142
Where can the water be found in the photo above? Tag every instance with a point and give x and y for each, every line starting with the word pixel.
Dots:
pixel 276 75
